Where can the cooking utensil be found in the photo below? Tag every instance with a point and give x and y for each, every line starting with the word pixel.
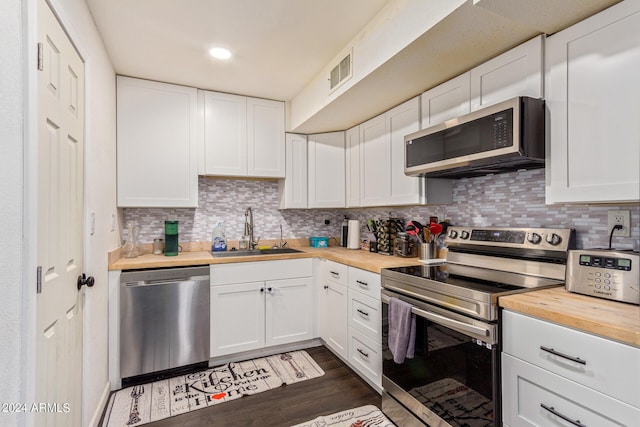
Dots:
pixel 435 229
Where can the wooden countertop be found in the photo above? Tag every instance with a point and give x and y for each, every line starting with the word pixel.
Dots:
pixel 356 258
pixel 610 319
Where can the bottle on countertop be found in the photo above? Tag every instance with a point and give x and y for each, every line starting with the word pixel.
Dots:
pixel 345 231
pixel 218 239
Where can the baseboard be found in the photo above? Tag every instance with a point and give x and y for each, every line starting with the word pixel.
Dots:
pixel 253 354
pixel 97 415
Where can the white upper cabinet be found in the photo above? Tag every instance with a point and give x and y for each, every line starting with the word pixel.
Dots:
pixel 326 177
pixel 401 121
pixel 352 141
pixel 243 136
pixel 375 163
pixel 517 72
pixel 446 101
pixel 156 144
pixel 293 189
pixel 382 178
pixel 265 138
pixel 225 135
pixel 593 105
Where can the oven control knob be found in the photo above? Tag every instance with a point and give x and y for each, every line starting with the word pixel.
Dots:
pixel 453 234
pixel 554 239
pixel 464 235
pixel 534 238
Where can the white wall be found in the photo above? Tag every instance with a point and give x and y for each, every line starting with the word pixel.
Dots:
pixel 100 198
pixel 11 184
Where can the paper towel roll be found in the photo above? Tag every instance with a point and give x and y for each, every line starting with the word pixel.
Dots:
pixel 353 235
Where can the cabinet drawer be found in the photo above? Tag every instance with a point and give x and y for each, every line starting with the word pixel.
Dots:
pixel 241 272
pixel 365 356
pixel 607 366
pixel 526 388
pixel 364 315
pixel 365 282
pixel 336 272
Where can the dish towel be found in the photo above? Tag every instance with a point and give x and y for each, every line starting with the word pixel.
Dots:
pixel 402 330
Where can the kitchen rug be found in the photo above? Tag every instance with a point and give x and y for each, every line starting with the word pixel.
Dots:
pixel 138 405
pixel 364 416
pixel 456 403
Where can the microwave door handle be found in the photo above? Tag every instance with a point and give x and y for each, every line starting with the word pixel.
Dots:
pixel 453 324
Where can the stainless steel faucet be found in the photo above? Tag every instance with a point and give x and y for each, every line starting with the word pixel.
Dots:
pixel 248 228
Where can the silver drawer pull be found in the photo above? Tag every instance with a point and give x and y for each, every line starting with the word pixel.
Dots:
pixel 360 282
pixel 564 356
pixel 364 313
pixel 363 353
pixel 564 417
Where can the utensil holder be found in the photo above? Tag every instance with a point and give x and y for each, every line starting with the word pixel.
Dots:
pixel 427 251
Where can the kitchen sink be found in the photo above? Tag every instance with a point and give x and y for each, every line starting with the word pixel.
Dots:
pixel 269 251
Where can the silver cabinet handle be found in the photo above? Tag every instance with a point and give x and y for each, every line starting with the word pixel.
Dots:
pixel 453 324
pixel 360 282
pixel 576 423
pixel 564 356
pixel 363 353
pixel 364 313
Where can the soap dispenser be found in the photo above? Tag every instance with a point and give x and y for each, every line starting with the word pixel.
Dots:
pixel 218 239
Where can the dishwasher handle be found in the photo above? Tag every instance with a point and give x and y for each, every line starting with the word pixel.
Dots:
pixel 186 280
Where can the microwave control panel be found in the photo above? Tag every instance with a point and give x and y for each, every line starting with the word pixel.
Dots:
pixel 606 274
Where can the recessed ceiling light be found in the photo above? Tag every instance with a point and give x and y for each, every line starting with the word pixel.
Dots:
pixel 220 53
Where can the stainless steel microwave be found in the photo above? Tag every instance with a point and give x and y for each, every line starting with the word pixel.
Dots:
pixel 503 137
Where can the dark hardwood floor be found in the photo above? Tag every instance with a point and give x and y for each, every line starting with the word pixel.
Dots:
pixel 337 390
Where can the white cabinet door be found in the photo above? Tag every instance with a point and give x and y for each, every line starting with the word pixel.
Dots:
pixel 517 72
pixel 293 188
pixel 375 163
pixel 353 167
pixel 449 100
pixel 400 121
pixel 225 134
pixel 265 138
pixel 289 310
pixel 593 102
pixel 326 170
pixel 336 318
pixel 237 318
pixel 156 144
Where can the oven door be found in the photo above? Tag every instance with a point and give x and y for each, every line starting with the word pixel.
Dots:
pixel 454 377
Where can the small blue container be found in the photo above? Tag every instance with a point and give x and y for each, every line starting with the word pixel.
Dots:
pixel 319 242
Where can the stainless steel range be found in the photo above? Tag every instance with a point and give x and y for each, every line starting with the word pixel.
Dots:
pixel 454 377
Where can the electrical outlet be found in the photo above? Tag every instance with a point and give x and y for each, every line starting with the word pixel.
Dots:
pixel 622 218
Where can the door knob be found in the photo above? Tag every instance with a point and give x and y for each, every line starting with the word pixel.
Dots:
pixel 84 280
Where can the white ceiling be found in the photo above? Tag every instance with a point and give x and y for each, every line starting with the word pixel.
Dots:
pixel 278 46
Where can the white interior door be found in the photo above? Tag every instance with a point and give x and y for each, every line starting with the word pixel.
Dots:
pixel 60 218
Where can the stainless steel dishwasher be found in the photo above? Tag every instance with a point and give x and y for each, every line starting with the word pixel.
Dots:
pixel 164 319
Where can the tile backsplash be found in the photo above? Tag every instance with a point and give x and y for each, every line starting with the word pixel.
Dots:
pixel 513 199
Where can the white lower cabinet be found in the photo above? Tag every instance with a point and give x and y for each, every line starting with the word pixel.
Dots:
pixel 365 356
pixel 533 396
pixel 350 318
pixel 333 306
pixel 554 375
pixel 248 313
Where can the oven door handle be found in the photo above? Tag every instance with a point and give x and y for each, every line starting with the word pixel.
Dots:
pixel 453 324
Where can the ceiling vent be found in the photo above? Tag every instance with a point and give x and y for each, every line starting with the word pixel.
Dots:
pixel 341 72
